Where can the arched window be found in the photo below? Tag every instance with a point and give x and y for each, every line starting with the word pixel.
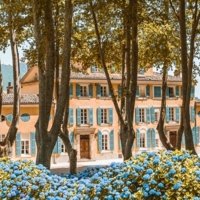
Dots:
pixel 142 139
pixel 105 141
pixel 25 117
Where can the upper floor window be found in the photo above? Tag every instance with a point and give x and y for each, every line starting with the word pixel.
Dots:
pixel 141 115
pixel 84 90
pixel 84 116
pixel 25 146
pixel 171 92
pixel 171 114
pixel 157 112
pixel 157 91
pixel 102 91
pixel 104 116
pixel 2 137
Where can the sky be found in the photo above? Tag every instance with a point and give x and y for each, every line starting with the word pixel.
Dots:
pixel 6 58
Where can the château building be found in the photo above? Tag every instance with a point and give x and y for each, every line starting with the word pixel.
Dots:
pixel 93 122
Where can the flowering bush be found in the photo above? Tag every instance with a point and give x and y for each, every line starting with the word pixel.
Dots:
pixel 163 175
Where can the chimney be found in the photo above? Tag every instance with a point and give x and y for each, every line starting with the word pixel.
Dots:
pixel 9 88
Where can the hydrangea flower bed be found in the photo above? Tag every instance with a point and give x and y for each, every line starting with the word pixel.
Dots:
pixel 162 175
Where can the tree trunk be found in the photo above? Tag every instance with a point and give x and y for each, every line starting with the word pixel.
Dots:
pixel 11 135
pixel 160 126
pixel 186 73
pixel 1 91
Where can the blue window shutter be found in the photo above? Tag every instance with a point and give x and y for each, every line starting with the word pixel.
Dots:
pixel 177 114
pixel 152 115
pixel 192 92
pixel 99 141
pixel 194 135
pixel 90 112
pixel 78 90
pixel 177 91
pixel 90 90
pixel 192 114
pixel 148 116
pixel 112 140
pixel 98 90
pixel 99 116
pixel 71 90
pixel 110 110
pixel 137 117
pixel 71 138
pixel 147 90
pixel 33 143
pixel 71 117
pixel 149 138
pixel 197 135
pixel 59 145
pixel 167 91
pixel 78 116
pixel 167 114
pixel 153 138
pixel 138 137
pixel 55 149
pixel 157 91
pixel 137 92
pixel 183 139
pixel 119 90
pixel 18 144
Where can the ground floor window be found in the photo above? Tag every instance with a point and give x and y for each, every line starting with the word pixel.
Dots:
pixel 142 140
pixel 105 139
pixel 63 149
pixel 25 146
pixel 2 137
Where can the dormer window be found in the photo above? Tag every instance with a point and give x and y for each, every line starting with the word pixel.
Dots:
pixel 94 69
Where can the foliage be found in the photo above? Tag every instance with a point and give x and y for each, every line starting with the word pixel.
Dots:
pixel 162 175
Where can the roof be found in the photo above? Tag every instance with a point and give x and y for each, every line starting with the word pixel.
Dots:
pixel 25 99
pixel 101 76
pixel 154 76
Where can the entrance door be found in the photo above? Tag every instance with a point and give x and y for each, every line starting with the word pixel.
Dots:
pixel 84 146
pixel 172 138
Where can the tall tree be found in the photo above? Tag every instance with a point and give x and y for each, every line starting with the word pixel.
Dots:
pixel 127 133
pixel 11 135
pixel 188 25
pixel 44 34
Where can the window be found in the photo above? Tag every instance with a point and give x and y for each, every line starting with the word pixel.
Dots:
pixel 63 149
pixel 156 115
pixel 25 147
pixel 2 137
pixel 171 92
pixel 171 114
pixel 2 118
pixel 105 142
pixel 104 91
pixel 84 116
pixel 83 91
pixel 142 140
pixel 157 91
pixel 142 91
pixel 25 117
pixel 104 116
pixel 141 115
